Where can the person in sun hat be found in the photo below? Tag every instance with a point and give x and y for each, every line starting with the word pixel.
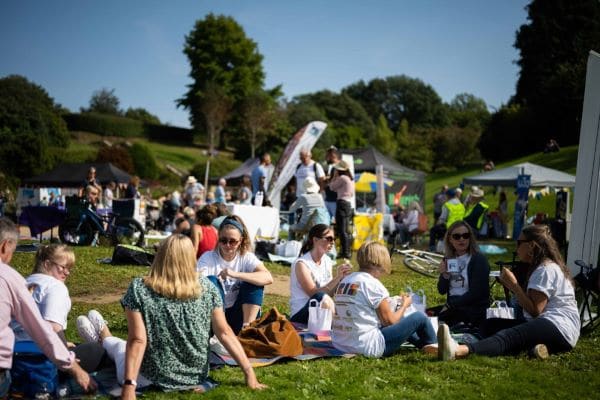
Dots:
pixel 452 211
pixel 476 209
pixel 343 184
pixel 306 204
pixel 191 189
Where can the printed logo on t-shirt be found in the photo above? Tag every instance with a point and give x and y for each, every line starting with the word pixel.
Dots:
pixel 349 289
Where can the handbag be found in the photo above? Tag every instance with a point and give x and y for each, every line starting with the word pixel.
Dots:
pixel 500 309
pixel 419 300
pixel 319 319
pixel 270 336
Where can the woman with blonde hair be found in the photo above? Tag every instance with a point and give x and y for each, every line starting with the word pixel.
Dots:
pixel 237 273
pixel 365 321
pixel 547 298
pixel 170 314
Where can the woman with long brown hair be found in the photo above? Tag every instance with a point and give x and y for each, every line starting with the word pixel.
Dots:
pixel 548 302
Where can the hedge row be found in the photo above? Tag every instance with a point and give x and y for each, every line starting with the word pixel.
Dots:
pixel 112 125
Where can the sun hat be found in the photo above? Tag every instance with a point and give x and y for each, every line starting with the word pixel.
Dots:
pixel 191 179
pixel 476 192
pixel 342 166
pixel 310 185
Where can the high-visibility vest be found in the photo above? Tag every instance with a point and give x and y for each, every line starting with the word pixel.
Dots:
pixel 456 212
pixel 476 214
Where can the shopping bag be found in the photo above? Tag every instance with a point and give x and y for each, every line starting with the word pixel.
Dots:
pixel 499 309
pixel 319 319
pixel 419 300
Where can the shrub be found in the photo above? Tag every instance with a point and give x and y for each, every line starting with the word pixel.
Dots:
pixel 118 156
pixel 144 162
pixel 105 125
pixel 164 133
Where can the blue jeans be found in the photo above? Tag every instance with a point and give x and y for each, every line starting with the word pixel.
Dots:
pixel 302 315
pixel 4 383
pixel 248 294
pixel 415 328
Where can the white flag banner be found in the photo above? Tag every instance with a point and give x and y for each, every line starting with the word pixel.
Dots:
pixel 305 138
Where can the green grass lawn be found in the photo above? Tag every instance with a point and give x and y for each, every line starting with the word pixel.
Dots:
pixel 407 374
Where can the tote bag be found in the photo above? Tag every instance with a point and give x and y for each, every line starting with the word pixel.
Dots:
pixel 319 319
pixel 499 309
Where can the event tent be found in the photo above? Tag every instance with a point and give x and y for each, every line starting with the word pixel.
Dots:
pixel 540 176
pixel 73 175
pixel 366 159
pixel 234 177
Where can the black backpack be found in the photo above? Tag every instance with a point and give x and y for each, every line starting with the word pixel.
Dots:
pixel 125 254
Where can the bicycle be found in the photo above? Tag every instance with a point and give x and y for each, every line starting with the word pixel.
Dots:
pixel 587 294
pixel 423 262
pixel 82 230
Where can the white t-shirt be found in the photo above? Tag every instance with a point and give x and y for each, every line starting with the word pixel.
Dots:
pixel 304 171
pixel 561 308
pixel 211 263
pixel 459 282
pixel 52 299
pixel 320 274
pixel 356 326
pixel 108 197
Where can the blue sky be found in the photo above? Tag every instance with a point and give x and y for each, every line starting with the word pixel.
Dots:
pixel 73 48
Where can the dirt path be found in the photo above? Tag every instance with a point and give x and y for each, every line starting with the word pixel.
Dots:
pixel 280 286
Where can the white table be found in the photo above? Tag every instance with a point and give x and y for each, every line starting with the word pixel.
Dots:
pixel 262 222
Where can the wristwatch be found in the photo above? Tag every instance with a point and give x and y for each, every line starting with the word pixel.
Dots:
pixel 131 382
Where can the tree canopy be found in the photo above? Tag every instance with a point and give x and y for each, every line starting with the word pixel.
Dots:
pixel 30 123
pixel 104 101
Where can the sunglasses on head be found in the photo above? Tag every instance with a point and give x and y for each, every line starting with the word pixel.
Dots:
pixel 458 236
pixel 330 239
pixel 230 242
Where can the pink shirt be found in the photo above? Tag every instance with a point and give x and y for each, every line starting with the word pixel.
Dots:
pixel 343 186
pixel 16 303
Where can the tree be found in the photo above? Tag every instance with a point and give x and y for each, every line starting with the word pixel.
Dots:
pixel 30 124
pixel 553 48
pixel 468 111
pixel 384 139
pixel 104 101
pixel 413 150
pixel 220 54
pixel 143 115
pixel 258 116
pixel 215 106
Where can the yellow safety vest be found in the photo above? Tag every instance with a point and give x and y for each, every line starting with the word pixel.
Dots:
pixel 483 211
pixel 456 212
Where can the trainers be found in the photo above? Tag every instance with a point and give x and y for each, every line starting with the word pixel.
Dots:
pixel 540 351
pixel 97 321
pixel 86 330
pixel 446 345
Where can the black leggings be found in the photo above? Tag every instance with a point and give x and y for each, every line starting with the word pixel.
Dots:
pixel 522 337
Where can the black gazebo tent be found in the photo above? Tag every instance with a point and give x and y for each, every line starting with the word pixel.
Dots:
pixel 73 175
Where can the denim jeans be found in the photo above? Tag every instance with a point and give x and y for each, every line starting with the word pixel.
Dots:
pixel 4 383
pixel 343 213
pixel 414 328
pixel 302 315
pixel 248 294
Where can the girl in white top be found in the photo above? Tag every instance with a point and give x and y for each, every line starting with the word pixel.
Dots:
pixel 311 276
pixel 365 322
pixel 238 274
pixel 548 300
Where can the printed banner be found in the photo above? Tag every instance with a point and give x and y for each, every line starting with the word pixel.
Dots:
pixel 305 138
pixel 369 227
pixel 523 184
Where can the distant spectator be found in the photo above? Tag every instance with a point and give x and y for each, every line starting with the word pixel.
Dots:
pixel 308 168
pixel 261 175
pixel 244 194
pixel 220 191
pixel 90 180
pixel 132 191
pixel 192 188
pixel 332 157
pixel 551 146
pixel 44 202
pixel 92 193
pixel 489 165
pixel 109 194
pixel 204 235
pixel 438 201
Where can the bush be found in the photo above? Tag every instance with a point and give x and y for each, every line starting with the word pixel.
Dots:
pixel 105 125
pixel 144 162
pixel 118 156
pixel 164 133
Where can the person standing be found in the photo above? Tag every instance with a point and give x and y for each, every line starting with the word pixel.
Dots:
pixel 452 211
pixel 109 194
pixel 220 191
pixel 17 303
pixel 343 184
pixel 261 175
pixel 308 168
pixel 438 202
pixel 332 157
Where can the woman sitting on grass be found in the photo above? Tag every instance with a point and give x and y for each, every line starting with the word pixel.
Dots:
pixel 311 276
pixel 548 301
pixel 237 273
pixel 204 235
pixel 170 314
pixel 365 322
pixel 467 284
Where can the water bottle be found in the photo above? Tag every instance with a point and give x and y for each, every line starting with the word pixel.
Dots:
pixel 258 199
pixel 63 391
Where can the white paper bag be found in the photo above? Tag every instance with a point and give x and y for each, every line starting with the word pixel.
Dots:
pixel 499 309
pixel 292 248
pixel 319 319
pixel 419 300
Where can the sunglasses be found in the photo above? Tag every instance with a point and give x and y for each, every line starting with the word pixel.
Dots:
pixel 458 236
pixel 62 268
pixel 330 239
pixel 521 241
pixel 231 242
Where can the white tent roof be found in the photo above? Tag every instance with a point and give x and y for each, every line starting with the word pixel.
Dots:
pixel 540 176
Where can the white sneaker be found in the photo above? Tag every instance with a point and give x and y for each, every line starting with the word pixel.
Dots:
pixel 446 345
pixel 97 321
pixel 86 330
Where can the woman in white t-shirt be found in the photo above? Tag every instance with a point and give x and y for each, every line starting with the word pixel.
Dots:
pixel 548 301
pixel 238 274
pixel 365 322
pixel 311 276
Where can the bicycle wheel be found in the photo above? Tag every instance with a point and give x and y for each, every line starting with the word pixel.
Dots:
pixel 74 233
pixel 128 231
pixel 422 266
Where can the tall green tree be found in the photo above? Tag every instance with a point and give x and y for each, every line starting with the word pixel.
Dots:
pixel 215 107
pixel 104 101
pixel 384 139
pixel 413 149
pixel 468 111
pixel 220 54
pixel 30 126
pixel 554 46
pixel 258 114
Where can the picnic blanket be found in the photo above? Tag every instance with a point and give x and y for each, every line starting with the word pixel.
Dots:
pixel 314 347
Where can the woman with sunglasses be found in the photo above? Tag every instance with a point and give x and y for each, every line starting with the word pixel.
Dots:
pixel 548 301
pixel 464 278
pixel 311 276
pixel 238 274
